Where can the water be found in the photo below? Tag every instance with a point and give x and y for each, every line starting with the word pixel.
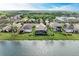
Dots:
pixel 39 48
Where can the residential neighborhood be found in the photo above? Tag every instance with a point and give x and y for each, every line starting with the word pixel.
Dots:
pixel 39 24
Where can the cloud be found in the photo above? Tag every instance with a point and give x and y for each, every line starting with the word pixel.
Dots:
pixel 64 8
pixel 17 6
pixel 38 6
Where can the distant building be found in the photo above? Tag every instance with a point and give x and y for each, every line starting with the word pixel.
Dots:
pixel 60 19
pixel 16 17
pixel 67 19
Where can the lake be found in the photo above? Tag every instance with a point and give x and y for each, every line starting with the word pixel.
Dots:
pixel 39 48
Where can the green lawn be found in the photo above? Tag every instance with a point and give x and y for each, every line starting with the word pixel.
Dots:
pixel 5 36
pixel 30 36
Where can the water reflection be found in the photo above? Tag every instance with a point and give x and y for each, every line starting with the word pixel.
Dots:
pixel 49 42
pixel 39 48
pixel 2 42
pixel 15 43
pixel 34 43
pixel 62 43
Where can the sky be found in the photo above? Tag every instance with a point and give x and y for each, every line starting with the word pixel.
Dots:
pixel 40 6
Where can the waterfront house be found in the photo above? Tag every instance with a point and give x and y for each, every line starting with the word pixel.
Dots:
pixel 7 28
pixel 57 27
pixel 76 28
pixel 41 29
pixel 69 28
pixel 26 28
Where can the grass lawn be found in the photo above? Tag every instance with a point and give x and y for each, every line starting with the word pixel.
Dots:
pixel 30 36
pixel 5 36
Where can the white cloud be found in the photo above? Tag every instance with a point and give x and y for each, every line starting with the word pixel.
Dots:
pixel 64 8
pixel 16 6
pixel 20 6
pixel 39 1
pixel 30 6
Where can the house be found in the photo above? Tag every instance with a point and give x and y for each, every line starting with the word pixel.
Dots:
pixel 68 28
pixel 41 20
pixel 72 19
pixel 7 28
pixel 16 26
pixel 60 19
pixel 67 19
pixel 41 29
pixel 76 28
pixel 51 24
pixel 47 22
pixel 26 28
pixel 16 17
pixel 57 27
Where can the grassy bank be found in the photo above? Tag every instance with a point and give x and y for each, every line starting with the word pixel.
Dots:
pixel 30 36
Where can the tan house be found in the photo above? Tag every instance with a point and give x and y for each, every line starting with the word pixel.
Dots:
pixel 41 29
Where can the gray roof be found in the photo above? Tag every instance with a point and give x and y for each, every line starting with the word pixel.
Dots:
pixel 56 24
pixel 27 26
pixel 67 19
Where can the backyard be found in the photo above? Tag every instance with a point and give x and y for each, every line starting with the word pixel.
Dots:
pixel 51 35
